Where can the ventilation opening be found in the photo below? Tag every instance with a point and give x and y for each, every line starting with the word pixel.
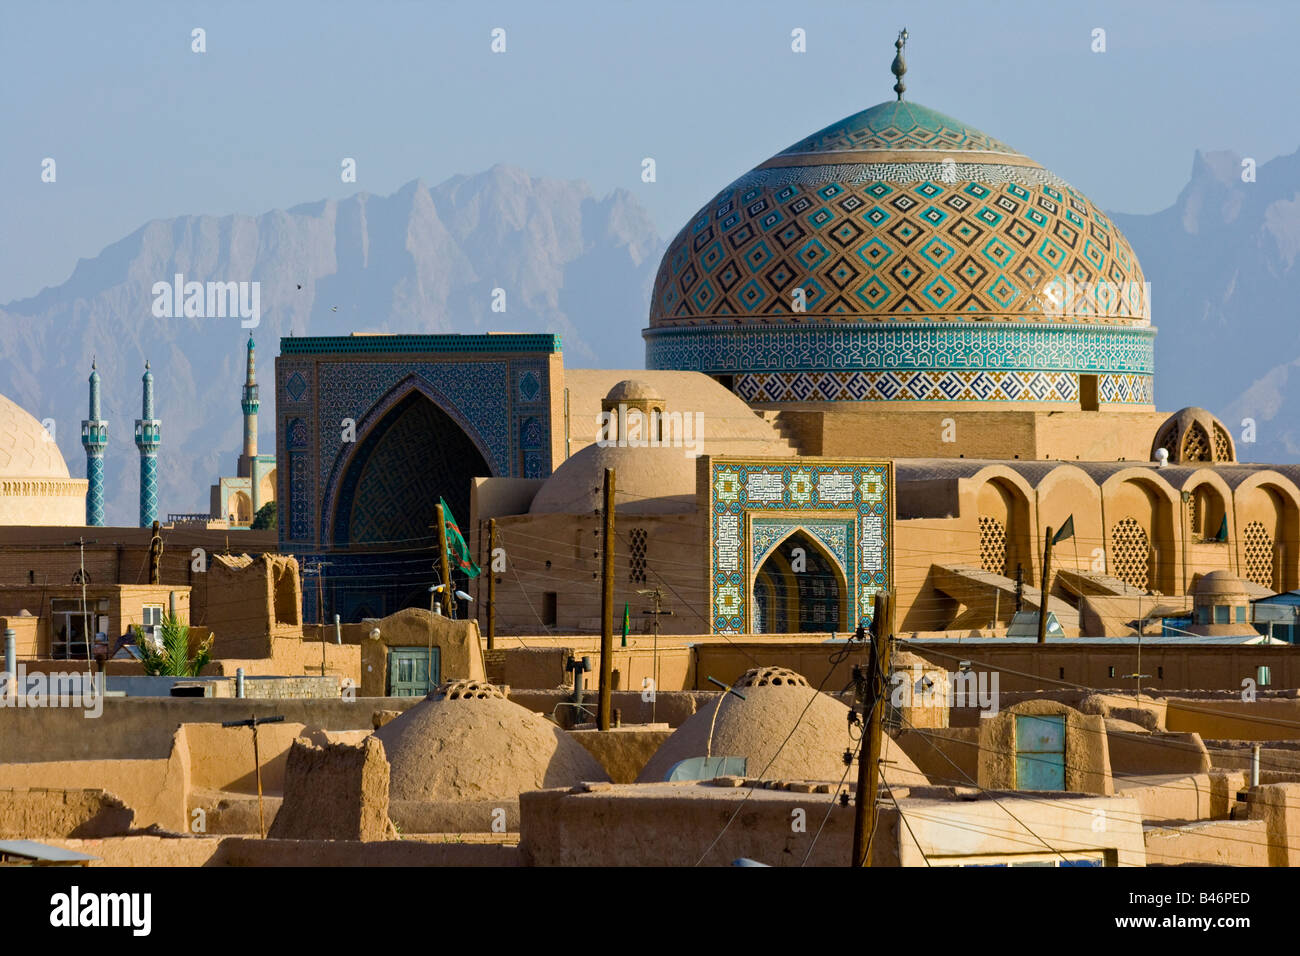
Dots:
pixel 549 601
pixel 1088 393
pixel 726 381
pixel 636 560
pixel 1130 553
pixel 1259 554
pixel 993 545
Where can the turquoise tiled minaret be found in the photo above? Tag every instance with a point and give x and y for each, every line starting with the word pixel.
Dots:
pixel 94 438
pixel 250 404
pixel 148 436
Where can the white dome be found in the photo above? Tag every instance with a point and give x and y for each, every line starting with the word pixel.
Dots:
pixel 26 448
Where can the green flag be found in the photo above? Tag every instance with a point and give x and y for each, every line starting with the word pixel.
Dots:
pixel 457 549
pixel 1066 532
pixel 1223 530
pixel 627 623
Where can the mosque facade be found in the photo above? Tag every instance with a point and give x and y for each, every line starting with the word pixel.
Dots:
pixel 913 354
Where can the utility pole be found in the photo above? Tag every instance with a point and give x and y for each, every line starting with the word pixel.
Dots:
pixel 444 567
pixel 492 585
pixel 657 612
pixel 1042 603
pixel 871 684
pixel 607 607
pixel 1020 588
pixel 318 569
pixel 85 613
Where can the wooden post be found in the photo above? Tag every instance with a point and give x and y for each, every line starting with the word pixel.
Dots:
pixel 155 555
pixel 257 764
pixel 872 687
pixel 607 607
pixel 444 567
pixel 1042 603
pixel 252 723
pixel 492 585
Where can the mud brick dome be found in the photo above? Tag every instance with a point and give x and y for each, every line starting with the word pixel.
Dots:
pixel 936 263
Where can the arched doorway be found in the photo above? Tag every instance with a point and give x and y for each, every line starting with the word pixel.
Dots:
pixel 241 509
pixel 413 456
pixel 387 499
pixel 799 588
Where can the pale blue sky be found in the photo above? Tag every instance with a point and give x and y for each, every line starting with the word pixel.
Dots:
pixel 142 128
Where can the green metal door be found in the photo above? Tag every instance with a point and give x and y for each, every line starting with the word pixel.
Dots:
pixel 409 671
pixel 1040 752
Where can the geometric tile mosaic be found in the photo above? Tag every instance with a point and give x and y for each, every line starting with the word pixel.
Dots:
pixel 755 504
pixel 950 386
pixel 918 247
pixel 868 250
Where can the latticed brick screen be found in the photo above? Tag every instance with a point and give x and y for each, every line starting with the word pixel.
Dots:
pixel 636 560
pixel 993 545
pixel 1130 552
pixel 1259 554
pixel 1196 444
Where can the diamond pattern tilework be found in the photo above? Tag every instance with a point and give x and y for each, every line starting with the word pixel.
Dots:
pixel 996 231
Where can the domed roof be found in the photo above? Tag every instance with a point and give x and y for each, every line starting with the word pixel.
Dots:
pixel 1192 434
pixel 890 127
pixel 1220 583
pixel 26 448
pixel 900 219
pixel 776 703
pixel 466 741
pixel 897 212
pixel 631 390
pixel 647 480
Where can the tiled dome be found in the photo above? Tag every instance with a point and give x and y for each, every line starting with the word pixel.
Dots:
pixel 916 241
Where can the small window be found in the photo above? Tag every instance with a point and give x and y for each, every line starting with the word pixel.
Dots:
pixel 1160 673
pixel 151 615
pixel 1088 393
pixel 1062 673
pixel 1221 614
pixel 549 601
pixel 1110 672
pixel 1241 615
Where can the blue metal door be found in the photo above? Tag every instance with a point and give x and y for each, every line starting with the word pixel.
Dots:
pixel 1040 752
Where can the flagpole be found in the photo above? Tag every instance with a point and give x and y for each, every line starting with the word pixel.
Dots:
pixel 443 565
pixel 1042 596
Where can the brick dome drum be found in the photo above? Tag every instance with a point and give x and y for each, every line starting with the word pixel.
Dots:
pixel 900 255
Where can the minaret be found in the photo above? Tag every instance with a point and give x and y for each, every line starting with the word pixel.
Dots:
pixel 250 404
pixel 148 436
pixel 94 438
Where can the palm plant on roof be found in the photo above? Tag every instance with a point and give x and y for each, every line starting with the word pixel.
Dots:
pixel 167 653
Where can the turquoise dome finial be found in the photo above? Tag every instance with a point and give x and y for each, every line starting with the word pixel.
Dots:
pixel 899 66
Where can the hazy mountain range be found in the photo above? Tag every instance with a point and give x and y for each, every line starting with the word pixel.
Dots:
pixel 421 260
pixel 1226 298
pixel 1221 261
